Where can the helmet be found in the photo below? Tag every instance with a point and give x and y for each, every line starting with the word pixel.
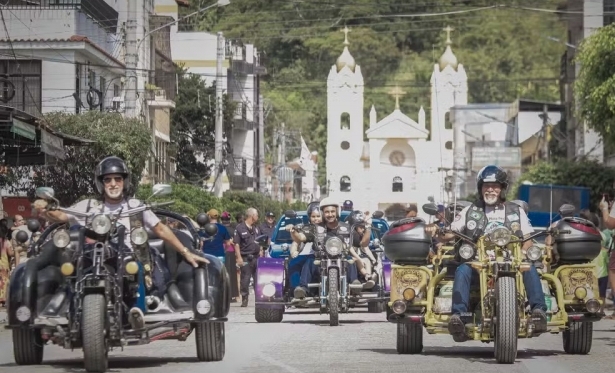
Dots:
pixel 347 206
pixel 111 165
pixel 355 218
pixel 492 174
pixel 330 202
pixel 522 204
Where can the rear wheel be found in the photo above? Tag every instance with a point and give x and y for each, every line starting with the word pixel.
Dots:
pixel 409 338
pixel 94 333
pixel 333 298
pixel 506 331
pixel 578 338
pixel 268 315
pixel 27 346
pixel 210 341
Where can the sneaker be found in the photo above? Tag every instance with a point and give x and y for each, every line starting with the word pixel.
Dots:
pixel 539 318
pixel 369 284
pixel 244 302
pixel 456 325
pixel 300 292
pixel 135 318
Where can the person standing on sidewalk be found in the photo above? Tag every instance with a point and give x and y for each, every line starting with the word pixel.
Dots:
pixel 247 251
pixel 231 261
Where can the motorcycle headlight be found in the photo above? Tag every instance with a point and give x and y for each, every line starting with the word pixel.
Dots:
pixel 334 246
pixel 500 236
pixel 466 252
pixel 61 239
pixel 101 224
pixel 138 236
pixel 534 253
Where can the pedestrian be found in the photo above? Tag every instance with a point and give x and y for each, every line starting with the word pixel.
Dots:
pixel 268 227
pixel 231 261
pixel 215 246
pixel 247 251
pixel 6 252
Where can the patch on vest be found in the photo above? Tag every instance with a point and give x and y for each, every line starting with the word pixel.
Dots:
pixel 471 224
pixel 492 226
pixel 458 217
pixel 343 229
pixel 475 215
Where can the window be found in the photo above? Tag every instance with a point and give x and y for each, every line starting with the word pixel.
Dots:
pixel 345 145
pixel 26 77
pixel 78 87
pixel 345 121
pixel 345 184
pixel 103 92
pixel 448 125
pixel 448 145
pixel 398 184
pixel 608 8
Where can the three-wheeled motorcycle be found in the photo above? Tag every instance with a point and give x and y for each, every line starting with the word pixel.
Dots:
pixel 421 286
pixel 274 292
pixel 84 288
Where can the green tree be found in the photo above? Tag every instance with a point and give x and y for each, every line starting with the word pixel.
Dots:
pixel 595 85
pixel 72 178
pixel 596 176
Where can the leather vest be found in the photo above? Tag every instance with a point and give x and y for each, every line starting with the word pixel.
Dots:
pixel 476 220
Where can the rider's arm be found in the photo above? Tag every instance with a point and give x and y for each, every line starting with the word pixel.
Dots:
pixel 526 229
pixel 294 249
pixel 298 236
pixel 366 236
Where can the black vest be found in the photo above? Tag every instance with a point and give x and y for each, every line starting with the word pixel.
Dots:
pixel 477 219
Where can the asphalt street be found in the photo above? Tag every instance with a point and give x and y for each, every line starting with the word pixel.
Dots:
pixel 304 342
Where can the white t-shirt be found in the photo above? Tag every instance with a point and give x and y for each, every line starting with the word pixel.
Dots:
pixel 494 214
pixel 150 220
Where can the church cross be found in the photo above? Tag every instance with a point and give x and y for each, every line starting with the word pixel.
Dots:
pixel 346 30
pixel 397 93
pixel 448 30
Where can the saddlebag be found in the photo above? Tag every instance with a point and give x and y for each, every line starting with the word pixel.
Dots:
pixel 407 242
pixel 581 245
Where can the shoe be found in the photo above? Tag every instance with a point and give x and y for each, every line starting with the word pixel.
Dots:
pixel 368 284
pixel 456 326
pixel 299 292
pixel 244 302
pixel 539 318
pixel 135 318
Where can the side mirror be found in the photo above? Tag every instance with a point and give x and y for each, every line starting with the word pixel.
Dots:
pixel 21 237
pixel 430 209
pixel 33 225
pixel 567 210
pixel 378 214
pixel 161 190
pixel 45 193
pixel 211 229
pixel 290 214
pixel 263 240
pixel 202 219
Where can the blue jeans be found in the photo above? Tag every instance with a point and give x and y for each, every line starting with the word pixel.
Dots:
pixel 465 276
pixel 309 272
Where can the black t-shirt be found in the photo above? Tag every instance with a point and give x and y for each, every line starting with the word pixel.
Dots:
pixel 246 239
pixel 356 239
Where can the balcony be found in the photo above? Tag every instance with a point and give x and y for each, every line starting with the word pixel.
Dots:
pixel 98 10
pixel 240 121
pixel 241 182
pixel 239 62
pixel 157 97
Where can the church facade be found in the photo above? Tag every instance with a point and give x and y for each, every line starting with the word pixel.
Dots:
pixel 396 160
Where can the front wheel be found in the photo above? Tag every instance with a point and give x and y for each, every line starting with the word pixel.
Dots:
pixel 27 346
pixel 578 338
pixel 210 341
pixel 409 338
pixel 333 298
pixel 94 333
pixel 506 331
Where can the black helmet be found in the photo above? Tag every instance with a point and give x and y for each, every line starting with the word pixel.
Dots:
pixel 347 206
pixel 492 174
pixel 355 218
pixel 111 165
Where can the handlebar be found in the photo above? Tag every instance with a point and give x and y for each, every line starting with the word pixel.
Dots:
pixel 132 211
pixel 553 232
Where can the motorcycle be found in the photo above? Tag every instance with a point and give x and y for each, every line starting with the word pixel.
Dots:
pixel 422 296
pixel 78 288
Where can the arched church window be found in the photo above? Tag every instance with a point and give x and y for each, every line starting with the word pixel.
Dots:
pixel 345 121
pixel 345 145
pixel 345 184
pixel 448 125
pixel 448 145
pixel 398 184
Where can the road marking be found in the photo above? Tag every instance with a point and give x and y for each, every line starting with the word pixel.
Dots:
pixel 280 364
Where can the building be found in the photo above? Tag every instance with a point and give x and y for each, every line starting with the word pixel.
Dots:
pixel 401 162
pixel 197 52
pixel 71 68
pixel 594 14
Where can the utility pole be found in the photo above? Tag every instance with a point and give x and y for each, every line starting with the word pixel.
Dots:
pixel 130 101
pixel 261 142
pixel 547 131
pixel 219 117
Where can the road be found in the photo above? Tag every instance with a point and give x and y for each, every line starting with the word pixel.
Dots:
pixel 304 343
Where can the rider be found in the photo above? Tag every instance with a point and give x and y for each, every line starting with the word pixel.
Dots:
pixel 330 211
pixel 112 180
pixel 360 242
pixel 347 206
pixel 309 271
pixel 492 182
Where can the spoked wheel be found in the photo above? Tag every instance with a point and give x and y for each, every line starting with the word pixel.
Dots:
pixel 333 298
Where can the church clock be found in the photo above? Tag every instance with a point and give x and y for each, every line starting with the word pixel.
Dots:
pixel 397 158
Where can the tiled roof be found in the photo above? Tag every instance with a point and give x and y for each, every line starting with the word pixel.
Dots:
pixel 74 38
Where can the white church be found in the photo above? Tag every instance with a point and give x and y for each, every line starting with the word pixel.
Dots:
pixel 397 163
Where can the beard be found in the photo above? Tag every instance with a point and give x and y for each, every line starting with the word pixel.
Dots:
pixel 490 199
pixel 114 193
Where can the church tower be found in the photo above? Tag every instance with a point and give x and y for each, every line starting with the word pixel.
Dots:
pixel 344 125
pixel 449 87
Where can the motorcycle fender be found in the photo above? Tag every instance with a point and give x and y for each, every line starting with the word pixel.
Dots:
pixel 269 271
pixel 100 289
pixel 213 283
pixel 14 294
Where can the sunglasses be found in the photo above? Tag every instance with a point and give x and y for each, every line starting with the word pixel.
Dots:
pixel 117 179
